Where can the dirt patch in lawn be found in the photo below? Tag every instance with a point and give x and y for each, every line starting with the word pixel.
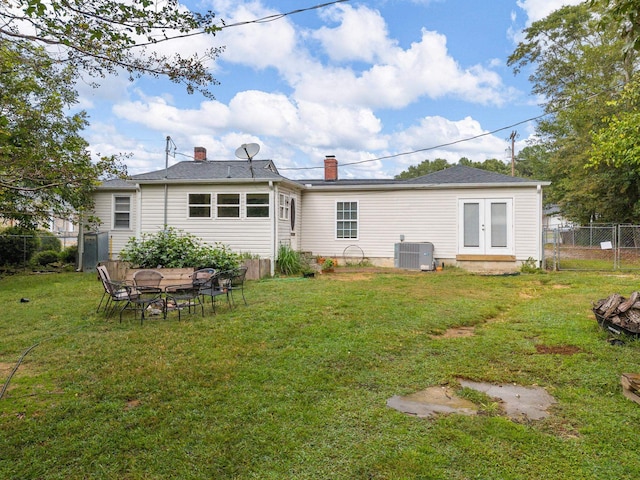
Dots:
pixel 457 332
pixel 5 368
pixel 558 349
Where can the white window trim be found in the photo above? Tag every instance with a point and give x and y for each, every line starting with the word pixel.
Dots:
pixel 113 211
pixel 284 206
pixel 189 205
pixel 239 205
pixel 247 206
pixel 335 217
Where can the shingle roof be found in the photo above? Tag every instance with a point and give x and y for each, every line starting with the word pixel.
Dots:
pixel 459 174
pixel 454 175
pixel 212 170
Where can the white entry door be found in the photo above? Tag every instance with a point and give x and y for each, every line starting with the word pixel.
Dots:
pixel 485 226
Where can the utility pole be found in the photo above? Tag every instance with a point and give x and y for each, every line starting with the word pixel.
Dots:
pixel 166 176
pixel 512 137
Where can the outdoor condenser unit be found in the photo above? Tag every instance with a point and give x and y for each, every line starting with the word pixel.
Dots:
pixel 414 255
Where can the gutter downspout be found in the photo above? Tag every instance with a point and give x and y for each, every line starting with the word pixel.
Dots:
pixel 166 185
pixel 80 242
pixel 138 211
pixel 274 228
pixel 540 239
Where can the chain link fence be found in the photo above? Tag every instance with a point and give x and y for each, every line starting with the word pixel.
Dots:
pixel 594 247
pixel 18 250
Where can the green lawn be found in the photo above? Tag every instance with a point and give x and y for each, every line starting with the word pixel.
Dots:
pixel 294 385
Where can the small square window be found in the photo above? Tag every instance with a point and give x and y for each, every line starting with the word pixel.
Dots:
pixel 199 205
pixel 257 205
pixel 228 205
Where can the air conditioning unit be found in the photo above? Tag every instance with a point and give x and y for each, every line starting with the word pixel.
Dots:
pixel 414 255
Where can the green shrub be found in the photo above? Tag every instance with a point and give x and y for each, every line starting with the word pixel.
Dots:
pixel 45 257
pixel 219 257
pixel 69 254
pixel 174 248
pixel 17 245
pixel 48 241
pixel 289 261
pixel 530 266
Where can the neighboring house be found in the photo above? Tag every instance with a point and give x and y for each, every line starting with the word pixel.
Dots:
pixel 475 219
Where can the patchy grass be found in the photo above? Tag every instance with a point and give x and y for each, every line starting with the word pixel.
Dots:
pixel 295 384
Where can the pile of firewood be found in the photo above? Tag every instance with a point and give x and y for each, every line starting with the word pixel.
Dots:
pixel 620 311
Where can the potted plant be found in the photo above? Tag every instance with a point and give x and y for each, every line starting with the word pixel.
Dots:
pixel 327 265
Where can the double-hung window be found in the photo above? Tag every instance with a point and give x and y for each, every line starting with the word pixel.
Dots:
pixel 284 207
pixel 121 212
pixel 257 205
pixel 228 205
pixel 199 205
pixel 347 220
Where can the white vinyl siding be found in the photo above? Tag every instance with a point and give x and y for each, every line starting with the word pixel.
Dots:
pixel 253 235
pixel 419 215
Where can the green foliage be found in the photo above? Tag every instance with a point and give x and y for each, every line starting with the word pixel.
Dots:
pixel 46 167
pixel 173 248
pixel 312 365
pixel 289 261
pixel 48 241
pixel 45 257
pixel 427 166
pixel 423 168
pixel 109 36
pixel 69 254
pixel 328 264
pixel 219 257
pixel 530 265
pixel 17 245
pixel 575 61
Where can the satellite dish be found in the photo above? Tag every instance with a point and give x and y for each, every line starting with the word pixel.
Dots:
pixel 247 150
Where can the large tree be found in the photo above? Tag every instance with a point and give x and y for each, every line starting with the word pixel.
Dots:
pixel 45 167
pixel 577 67
pixel 105 36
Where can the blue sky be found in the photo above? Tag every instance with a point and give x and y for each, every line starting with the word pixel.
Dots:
pixel 359 80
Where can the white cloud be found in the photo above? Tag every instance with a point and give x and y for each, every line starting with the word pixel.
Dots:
pixel 329 101
pixel 431 132
pixel 425 69
pixel 258 45
pixel 361 34
pixel 538 9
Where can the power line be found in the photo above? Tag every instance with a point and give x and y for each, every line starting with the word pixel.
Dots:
pixel 278 16
pixel 455 142
pixel 448 144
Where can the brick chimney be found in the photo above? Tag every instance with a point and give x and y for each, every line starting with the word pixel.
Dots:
pixel 200 154
pixel 330 168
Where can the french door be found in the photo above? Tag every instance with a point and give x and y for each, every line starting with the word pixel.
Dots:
pixel 485 226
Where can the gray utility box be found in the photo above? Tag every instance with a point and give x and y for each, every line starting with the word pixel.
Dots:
pixel 96 250
pixel 414 255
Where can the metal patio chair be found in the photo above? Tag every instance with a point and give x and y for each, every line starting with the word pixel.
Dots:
pixel 111 288
pixel 237 282
pixel 186 295
pixel 213 288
